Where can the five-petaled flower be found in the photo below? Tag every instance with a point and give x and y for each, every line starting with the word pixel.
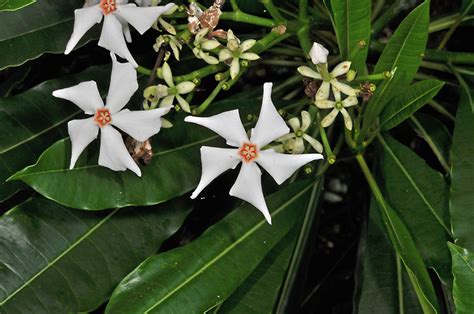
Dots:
pixel 337 106
pixel 117 15
pixel 294 142
pixel 248 185
pixel 138 124
pixel 172 91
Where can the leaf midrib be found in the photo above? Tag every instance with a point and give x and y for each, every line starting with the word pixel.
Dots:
pixel 60 256
pixel 228 249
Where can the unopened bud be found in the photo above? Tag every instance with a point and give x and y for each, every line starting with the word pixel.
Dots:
pixel 197 80
pixel 387 75
pixel 318 54
pixel 244 63
pixel 282 112
pixel 177 108
pixel 351 75
pixel 372 87
pixel 308 169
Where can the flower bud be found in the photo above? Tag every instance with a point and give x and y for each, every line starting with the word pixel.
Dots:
pixel 351 75
pixel 318 54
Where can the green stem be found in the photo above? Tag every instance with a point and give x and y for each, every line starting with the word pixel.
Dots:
pixel 303 10
pixel 304 39
pixel 203 72
pixel 234 5
pixel 273 11
pixel 454 26
pixel 446 22
pixel 391 13
pixel 331 158
pixel 210 98
pixel 378 6
pixel 143 70
pixel 242 17
pixel 371 77
pixel 438 107
pixel 401 307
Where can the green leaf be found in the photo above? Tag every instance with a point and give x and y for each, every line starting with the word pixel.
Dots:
pixel 402 106
pixel 385 286
pixel 464 86
pixel 463 271
pixel 13 5
pixel 44 26
pixel 352 19
pixel 32 121
pixel 259 292
pixel 435 133
pixel 420 196
pixel 202 274
pixel 402 53
pixel 59 260
pixel 462 172
pixel 175 168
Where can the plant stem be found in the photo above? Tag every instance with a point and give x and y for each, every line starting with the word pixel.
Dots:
pixel 453 27
pixel 331 158
pixel 273 11
pixel 387 16
pixel 378 6
pixel 371 77
pixel 143 70
pixel 303 11
pixel 234 5
pixel 446 22
pixel 203 72
pixel 239 16
pixel 159 59
pixel 438 107
pixel 401 307
pixel 210 98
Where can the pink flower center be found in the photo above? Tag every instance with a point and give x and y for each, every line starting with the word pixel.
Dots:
pixel 102 117
pixel 108 6
pixel 248 152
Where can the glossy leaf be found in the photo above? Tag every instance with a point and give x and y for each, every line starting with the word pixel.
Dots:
pixel 13 5
pixel 259 292
pixel 402 54
pixel 32 121
pixel 352 21
pixel 175 168
pixel 436 135
pixel 59 260
pixel 462 172
pixel 202 274
pixel 419 194
pixel 381 279
pixel 463 271
pixel 403 105
pixel 44 26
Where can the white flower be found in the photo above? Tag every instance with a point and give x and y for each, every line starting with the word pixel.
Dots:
pixel 294 142
pixel 117 15
pixel 235 51
pixel 172 91
pixel 318 54
pixel 172 41
pixel 248 185
pixel 201 44
pixel 337 106
pixel 323 91
pixel 138 124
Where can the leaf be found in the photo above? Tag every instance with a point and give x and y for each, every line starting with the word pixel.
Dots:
pixel 402 106
pixel 32 121
pixel 464 85
pixel 435 133
pixel 59 260
pixel 462 172
pixel 402 53
pixel 352 19
pixel 202 274
pixel 380 280
pixel 463 271
pixel 419 194
pixel 12 5
pixel 259 292
pixel 174 170
pixel 44 26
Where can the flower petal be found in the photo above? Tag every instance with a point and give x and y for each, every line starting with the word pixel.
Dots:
pixel 185 87
pixel 123 84
pixel 126 32
pixel 214 162
pixel 234 68
pixel 341 69
pixel 344 88
pixel 225 54
pixel 314 143
pixel 249 56
pixel 200 35
pixel 329 118
pixel 282 166
pixel 208 58
pixel 285 137
pixel 140 125
pixel 183 104
pixel 167 74
pixel 324 104
pixel 247 44
pixel 82 133
pixel 350 101
pixel 298 147
pixel 336 92
pixel 113 153
pixel 294 124
pixel 141 18
pixel 112 39
pixel 347 119
pixel 210 44
pixel 167 101
pixel 308 72
pixel 305 120
pixel 84 19
pixel 270 124
pixel 85 95
pixel 227 124
pixel 323 91
pixel 248 187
